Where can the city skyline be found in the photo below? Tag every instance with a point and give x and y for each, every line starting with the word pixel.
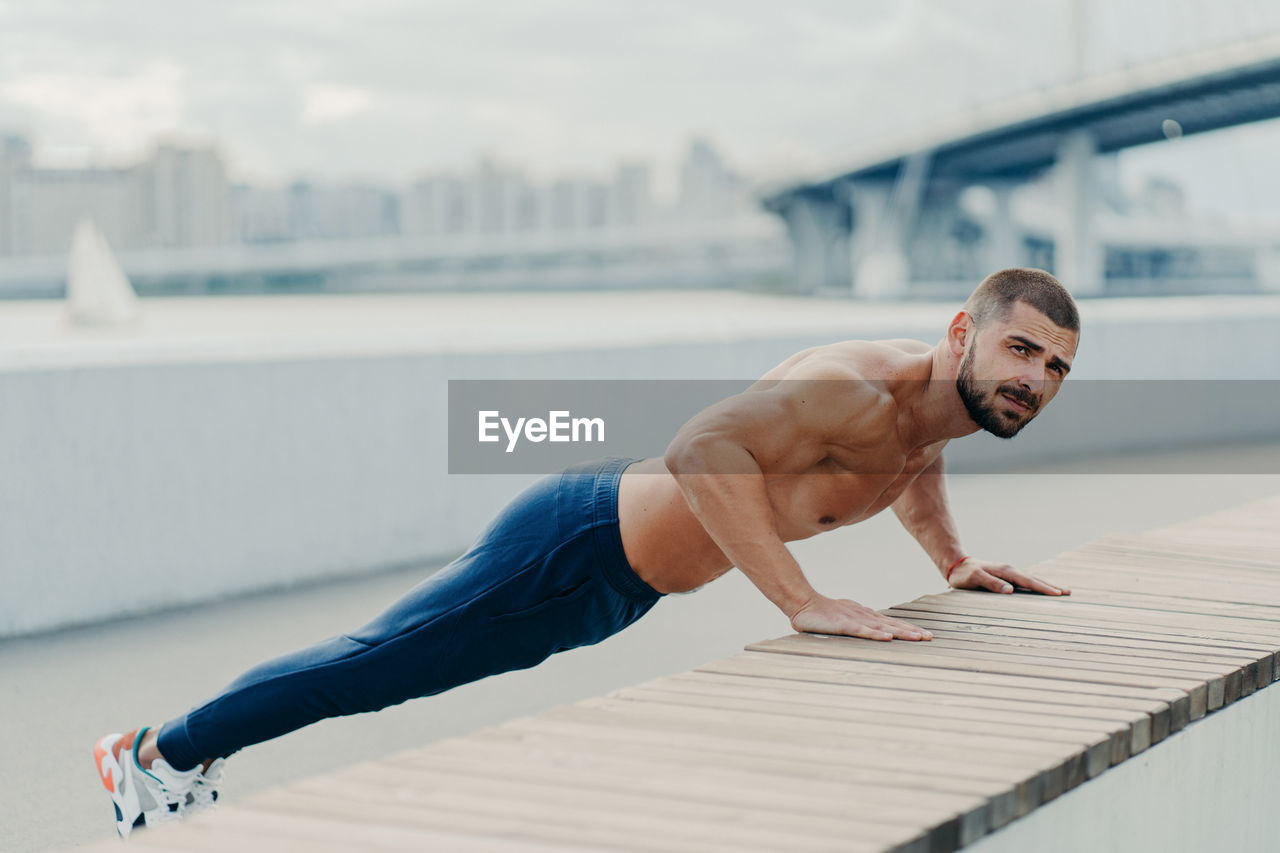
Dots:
pixel 182 197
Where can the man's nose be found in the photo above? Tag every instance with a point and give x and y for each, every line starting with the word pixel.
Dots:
pixel 1032 378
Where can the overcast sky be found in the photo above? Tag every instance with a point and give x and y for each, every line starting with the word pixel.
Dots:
pixel 389 89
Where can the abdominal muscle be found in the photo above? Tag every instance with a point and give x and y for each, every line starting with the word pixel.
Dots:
pixel 672 552
pixel 664 542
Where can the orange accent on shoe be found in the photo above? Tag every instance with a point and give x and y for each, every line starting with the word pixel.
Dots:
pixel 108 780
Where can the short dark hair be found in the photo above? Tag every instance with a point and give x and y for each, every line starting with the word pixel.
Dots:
pixel 994 298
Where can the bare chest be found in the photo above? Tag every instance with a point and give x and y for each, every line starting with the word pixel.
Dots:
pixel 833 495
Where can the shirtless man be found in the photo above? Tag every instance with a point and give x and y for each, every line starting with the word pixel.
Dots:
pixel 828 438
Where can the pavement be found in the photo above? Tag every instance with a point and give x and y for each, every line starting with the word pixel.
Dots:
pixel 60 691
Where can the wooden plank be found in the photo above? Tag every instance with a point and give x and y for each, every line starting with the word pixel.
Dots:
pixel 560 748
pixel 1254 671
pixel 910 654
pixel 647 790
pixel 1102 747
pixel 1035 782
pixel 1152 637
pixel 397 794
pixel 1223 678
pixel 1270 616
pixel 1098 614
pixel 1061 767
pixel 1169 709
pixel 1135 582
pixel 1043 718
pixel 961 701
pixel 1229 550
pixel 1011 775
pixel 1188 548
pixel 1107 619
pixel 251 826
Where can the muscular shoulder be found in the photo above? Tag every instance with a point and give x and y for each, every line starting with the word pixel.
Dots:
pixel 833 397
pixel 874 361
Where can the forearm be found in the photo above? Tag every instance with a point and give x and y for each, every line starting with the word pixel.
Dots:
pixel 725 489
pixel 922 508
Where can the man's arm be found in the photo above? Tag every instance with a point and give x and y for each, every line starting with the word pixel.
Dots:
pixel 922 508
pixel 718 459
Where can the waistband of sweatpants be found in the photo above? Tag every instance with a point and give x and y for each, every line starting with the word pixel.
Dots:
pixel 608 535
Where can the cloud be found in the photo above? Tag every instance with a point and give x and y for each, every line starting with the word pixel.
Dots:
pixel 326 103
pixel 115 113
pixel 393 88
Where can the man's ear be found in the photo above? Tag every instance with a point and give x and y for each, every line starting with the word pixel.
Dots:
pixel 959 332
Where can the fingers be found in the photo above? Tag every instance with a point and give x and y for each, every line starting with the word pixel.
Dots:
pixel 1028 582
pixel 905 630
pixel 851 619
pixel 886 628
pixel 870 632
pixel 988 580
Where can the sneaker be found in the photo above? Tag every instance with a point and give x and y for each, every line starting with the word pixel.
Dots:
pixel 141 796
pixel 204 789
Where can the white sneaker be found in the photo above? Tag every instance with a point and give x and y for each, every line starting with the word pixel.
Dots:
pixel 142 796
pixel 204 789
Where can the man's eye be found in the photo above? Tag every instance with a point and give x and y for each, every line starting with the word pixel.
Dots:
pixel 1018 348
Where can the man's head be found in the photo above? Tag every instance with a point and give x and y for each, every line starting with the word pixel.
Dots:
pixel 1015 337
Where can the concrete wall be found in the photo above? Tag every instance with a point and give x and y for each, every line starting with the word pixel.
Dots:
pixel 127 486
pixel 1208 787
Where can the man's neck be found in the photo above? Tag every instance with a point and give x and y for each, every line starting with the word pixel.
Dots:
pixel 935 411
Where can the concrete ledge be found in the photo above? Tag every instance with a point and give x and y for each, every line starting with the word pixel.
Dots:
pixel 230 446
pixel 1209 787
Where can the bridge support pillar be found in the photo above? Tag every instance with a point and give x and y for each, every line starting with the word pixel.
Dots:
pixel 877 255
pixel 819 228
pixel 1079 260
pixel 1004 243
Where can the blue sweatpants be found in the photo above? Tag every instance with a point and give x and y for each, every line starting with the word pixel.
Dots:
pixel 548 574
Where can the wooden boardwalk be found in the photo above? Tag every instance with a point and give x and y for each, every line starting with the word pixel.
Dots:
pixel 810 742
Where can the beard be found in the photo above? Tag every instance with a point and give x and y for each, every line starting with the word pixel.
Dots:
pixel 983 409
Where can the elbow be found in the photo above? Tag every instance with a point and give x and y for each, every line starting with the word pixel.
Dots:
pixel 708 453
pixel 689 454
pixel 678 456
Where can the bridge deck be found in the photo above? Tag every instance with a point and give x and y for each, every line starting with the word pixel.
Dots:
pixel 824 743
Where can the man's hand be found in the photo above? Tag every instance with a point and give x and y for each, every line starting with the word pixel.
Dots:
pixel 822 615
pixel 998 577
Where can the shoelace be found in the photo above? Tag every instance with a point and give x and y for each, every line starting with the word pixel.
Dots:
pixel 174 803
pixel 204 790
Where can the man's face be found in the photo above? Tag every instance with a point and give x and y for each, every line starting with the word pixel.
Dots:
pixel 1013 368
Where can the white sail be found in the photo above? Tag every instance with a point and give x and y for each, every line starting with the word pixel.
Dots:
pixel 98 293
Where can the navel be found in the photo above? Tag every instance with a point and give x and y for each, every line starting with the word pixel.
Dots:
pixel 827 519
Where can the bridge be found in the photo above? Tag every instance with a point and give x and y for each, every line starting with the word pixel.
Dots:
pixel 874 218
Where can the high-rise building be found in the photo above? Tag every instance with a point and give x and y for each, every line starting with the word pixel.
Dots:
pixel 176 198
pixel 186 195
pixel 319 212
pixel 630 198
pixel 15 158
pixel 708 188
pixel 260 214
pixel 47 204
pixel 435 205
pixel 576 203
